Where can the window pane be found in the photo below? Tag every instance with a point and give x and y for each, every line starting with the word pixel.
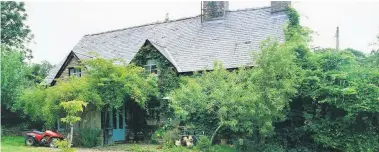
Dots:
pixel 154 71
pixel 153 67
pixel 71 71
pixel 153 62
pixel 146 67
pixel 79 72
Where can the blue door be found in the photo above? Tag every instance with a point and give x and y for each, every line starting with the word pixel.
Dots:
pixel 119 130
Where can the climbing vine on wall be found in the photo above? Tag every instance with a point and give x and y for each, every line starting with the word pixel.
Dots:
pixel 168 78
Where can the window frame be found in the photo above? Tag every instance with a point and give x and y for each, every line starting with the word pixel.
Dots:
pixel 77 72
pixel 150 63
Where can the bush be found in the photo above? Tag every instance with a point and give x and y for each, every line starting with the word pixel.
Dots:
pixel 157 136
pixel 63 145
pixel 204 143
pixel 247 145
pixel 169 138
pixel 88 137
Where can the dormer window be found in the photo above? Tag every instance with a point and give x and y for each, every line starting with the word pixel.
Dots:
pixel 151 66
pixel 74 72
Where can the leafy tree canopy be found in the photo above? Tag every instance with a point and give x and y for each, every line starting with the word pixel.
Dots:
pixel 244 99
pixel 13 76
pixel 14 32
pixel 105 83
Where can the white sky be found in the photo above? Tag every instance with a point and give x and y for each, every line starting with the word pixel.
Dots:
pixel 58 26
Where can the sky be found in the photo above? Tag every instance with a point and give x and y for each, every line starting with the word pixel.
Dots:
pixel 59 25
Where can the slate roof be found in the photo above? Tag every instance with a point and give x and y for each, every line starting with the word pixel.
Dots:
pixel 189 44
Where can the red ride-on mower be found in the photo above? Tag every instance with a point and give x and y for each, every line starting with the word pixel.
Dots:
pixel 47 138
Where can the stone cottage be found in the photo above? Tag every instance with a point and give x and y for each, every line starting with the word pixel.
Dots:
pixel 189 44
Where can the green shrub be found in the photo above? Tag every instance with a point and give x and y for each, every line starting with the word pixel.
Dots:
pixel 63 145
pixel 169 138
pixel 157 136
pixel 88 137
pixel 204 143
pixel 247 145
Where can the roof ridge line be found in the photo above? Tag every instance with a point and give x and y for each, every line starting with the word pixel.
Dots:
pixel 179 19
pixel 153 23
pixel 249 9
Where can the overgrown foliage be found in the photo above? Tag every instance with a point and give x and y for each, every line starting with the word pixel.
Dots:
pixel 167 77
pixel 72 110
pixel 39 71
pixel 88 137
pixel 306 101
pixel 244 100
pixel 336 108
pixel 16 75
pixel 106 84
pixel 14 32
pixel 13 76
pixel 113 80
pixel 63 145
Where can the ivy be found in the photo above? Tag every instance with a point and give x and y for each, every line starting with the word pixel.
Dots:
pixel 168 78
pixel 106 84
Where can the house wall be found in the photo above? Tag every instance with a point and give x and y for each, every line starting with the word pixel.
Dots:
pixel 74 61
pixel 91 118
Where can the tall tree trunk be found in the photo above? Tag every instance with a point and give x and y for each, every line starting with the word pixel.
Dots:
pixel 215 132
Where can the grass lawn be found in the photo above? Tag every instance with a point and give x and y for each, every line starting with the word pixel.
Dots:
pixel 16 144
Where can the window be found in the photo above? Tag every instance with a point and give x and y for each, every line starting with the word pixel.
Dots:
pixel 151 66
pixel 75 72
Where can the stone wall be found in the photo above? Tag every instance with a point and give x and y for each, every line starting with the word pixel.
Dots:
pixel 214 10
pixel 74 61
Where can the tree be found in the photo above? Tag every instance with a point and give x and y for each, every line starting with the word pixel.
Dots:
pixel 14 32
pixel 213 100
pixel 114 80
pixel 13 76
pixel 336 107
pixel 39 71
pixel 339 98
pixel 72 108
pixel 106 84
pixel 244 100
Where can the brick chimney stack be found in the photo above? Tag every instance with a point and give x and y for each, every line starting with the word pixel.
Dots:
pixel 213 10
pixel 279 6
